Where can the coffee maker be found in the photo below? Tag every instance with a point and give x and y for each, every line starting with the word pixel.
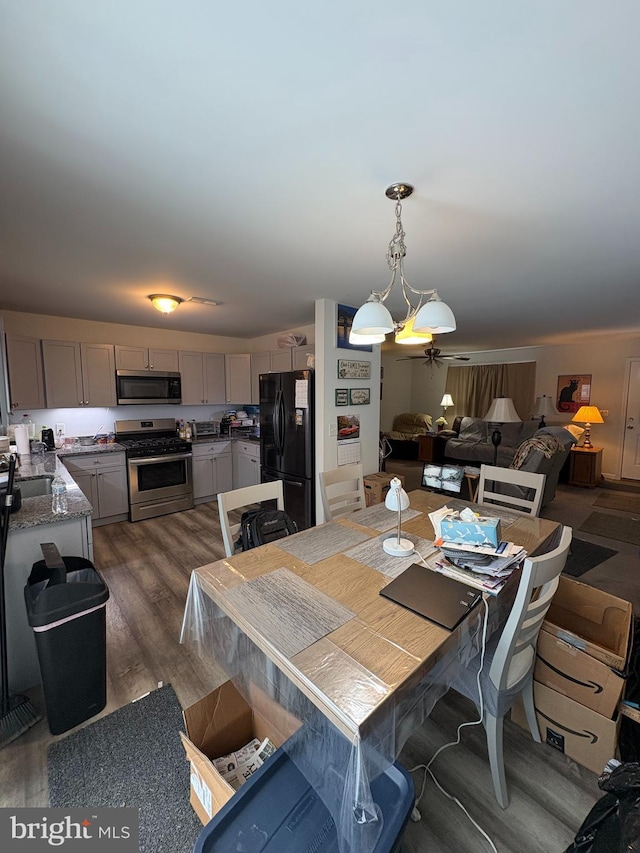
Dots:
pixel 48 439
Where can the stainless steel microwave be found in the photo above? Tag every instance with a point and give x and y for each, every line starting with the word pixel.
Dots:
pixel 154 387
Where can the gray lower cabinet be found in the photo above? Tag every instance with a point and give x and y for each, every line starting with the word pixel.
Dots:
pixel 212 470
pixel 246 464
pixel 102 477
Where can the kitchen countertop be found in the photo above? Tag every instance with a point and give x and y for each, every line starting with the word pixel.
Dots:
pixel 36 511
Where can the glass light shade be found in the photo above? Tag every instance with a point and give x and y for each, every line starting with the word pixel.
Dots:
pixel 502 411
pixel 588 415
pixel 396 497
pixel 408 335
pixel 447 401
pixel 364 340
pixel 372 318
pixel 544 406
pixel 435 317
pixel 165 303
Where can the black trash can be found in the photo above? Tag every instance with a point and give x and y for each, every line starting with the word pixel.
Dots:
pixel 66 607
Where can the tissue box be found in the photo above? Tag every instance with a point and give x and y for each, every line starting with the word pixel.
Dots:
pixel 482 531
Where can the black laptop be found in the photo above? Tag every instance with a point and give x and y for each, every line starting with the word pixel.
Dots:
pixel 439 598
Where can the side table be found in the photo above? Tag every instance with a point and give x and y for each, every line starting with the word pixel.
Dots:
pixel 585 467
pixel 431 447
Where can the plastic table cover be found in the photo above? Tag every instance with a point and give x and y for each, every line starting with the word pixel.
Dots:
pixel 371 722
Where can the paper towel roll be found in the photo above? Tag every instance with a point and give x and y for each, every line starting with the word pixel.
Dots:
pixel 22 440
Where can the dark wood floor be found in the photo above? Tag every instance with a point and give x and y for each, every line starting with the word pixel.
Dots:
pixel 147 568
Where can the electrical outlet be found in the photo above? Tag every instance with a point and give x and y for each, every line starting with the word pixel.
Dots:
pixel 604 413
pixel 61 429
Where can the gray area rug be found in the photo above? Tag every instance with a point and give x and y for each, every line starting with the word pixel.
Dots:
pixel 132 757
pixel 584 556
pixel 620 527
pixel 624 501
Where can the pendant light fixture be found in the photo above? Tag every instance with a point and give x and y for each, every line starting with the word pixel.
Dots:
pixel 426 314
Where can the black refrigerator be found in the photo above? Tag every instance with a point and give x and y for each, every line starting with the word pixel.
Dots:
pixel 287 446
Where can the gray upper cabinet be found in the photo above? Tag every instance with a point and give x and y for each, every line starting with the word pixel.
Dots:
pixel 147 358
pixel 79 374
pixel 203 377
pixel 24 367
pixel 238 376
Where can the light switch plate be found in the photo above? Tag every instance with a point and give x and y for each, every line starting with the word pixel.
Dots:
pixel 60 429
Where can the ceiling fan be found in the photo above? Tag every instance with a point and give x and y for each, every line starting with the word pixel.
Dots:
pixel 434 355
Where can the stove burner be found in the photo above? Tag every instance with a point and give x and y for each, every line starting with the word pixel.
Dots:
pixel 154 446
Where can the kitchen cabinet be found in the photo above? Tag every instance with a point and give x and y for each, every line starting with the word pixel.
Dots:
pixel 102 477
pixel 238 377
pixel 24 367
pixel 212 469
pixel 203 377
pixel 271 361
pixel 246 464
pixel 143 359
pixel 78 374
pixel 300 357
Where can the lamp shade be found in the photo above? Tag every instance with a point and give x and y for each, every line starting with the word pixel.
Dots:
pixel 544 406
pixel 408 335
pixel 447 401
pixel 588 415
pixel 435 317
pixel 502 411
pixel 372 318
pixel 396 497
pixel 364 340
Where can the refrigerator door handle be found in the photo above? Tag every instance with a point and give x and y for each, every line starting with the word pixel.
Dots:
pixel 277 411
pixel 281 422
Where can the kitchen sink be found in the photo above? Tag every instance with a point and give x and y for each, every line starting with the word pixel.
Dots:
pixel 34 488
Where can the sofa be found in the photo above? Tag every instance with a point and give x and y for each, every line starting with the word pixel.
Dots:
pixel 473 446
pixel 403 438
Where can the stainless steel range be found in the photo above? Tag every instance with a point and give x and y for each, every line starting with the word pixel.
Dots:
pixel 158 466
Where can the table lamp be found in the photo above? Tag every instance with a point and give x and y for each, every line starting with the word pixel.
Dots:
pixel 501 411
pixel 397 500
pixel 544 406
pixel 588 415
pixel 446 401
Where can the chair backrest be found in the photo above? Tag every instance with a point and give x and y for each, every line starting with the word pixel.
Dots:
pixel 510 487
pixel 342 490
pixel 238 498
pixel 516 650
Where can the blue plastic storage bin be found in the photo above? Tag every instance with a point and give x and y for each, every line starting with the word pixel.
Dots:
pixel 277 811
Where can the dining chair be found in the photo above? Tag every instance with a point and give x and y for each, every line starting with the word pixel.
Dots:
pixel 342 491
pixel 519 490
pixel 228 501
pixel 510 656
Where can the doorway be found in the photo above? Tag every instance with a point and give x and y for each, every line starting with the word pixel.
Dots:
pixel 631 442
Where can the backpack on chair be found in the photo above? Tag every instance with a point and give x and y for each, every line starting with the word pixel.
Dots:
pixel 260 526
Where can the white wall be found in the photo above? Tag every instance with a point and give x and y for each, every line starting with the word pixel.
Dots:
pixel 604 357
pixel 327 355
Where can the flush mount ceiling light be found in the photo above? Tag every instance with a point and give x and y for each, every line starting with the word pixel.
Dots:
pixel 166 304
pixel 426 314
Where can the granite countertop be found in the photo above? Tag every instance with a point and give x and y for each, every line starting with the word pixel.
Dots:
pixel 36 511
pixel 79 450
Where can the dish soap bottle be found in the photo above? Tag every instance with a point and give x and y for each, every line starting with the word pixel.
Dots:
pixel 59 501
pixel 31 427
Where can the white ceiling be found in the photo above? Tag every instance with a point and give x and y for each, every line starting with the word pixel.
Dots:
pixel 240 152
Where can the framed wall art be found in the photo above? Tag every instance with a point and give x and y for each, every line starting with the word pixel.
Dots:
pixel 345 321
pixel 342 397
pixel 574 390
pixel 354 369
pixel 359 396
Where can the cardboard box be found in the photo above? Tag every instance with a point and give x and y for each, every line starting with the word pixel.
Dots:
pixel 591 620
pixel 219 724
pixel 582 734
pixel 577 675
pixel 376 486
pixel 483 531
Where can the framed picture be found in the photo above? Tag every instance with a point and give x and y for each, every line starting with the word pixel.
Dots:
pixel 359 396
pixel 348 427
pixel 345 321
pixel 354 369
pixel 342 397
pixel 574 390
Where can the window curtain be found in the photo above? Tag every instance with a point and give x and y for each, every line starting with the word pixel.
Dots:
pixel 473 387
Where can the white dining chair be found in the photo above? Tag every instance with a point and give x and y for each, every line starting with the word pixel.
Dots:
pixel 511 488
pixel 342 491
pixel 510 657
pixel 238 498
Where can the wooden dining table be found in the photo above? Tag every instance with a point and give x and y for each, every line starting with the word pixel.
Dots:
pixel 302 621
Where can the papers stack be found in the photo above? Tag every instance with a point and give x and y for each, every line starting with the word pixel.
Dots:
pixel 479 566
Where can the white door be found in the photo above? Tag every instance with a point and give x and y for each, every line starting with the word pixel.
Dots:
pixel 631 447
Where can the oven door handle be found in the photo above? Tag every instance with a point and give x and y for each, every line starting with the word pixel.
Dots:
pixel 168 457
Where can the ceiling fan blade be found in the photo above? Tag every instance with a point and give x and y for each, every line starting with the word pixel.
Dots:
pixel 455 357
